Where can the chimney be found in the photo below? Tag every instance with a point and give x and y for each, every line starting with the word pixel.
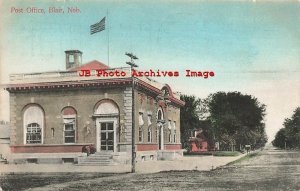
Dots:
pixel 73 58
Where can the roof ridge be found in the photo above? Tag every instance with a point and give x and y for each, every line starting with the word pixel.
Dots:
pixel 92 65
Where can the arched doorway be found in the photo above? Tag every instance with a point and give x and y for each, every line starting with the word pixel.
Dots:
pixel 107 117
pixel 160 128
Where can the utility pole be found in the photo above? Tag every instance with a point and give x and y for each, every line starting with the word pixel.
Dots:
pixel 132 65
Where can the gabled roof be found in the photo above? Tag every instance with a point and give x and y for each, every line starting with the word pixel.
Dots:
pixel 92 65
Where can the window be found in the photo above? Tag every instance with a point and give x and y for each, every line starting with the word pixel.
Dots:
pixel 174 128
pixel 34 133
pixel 141 137
pixel 159 115
pixel 156 133
pixel 141 123
pixel 52 132
pixel 141 120
pixel 149 134
pixel 170 136
pixel 159 129
pixel 69 130
pixel 33 120
pixel 174 136
pixel 151 157
pixel 106 107
pixel 33 160
pixel 149 119
pixel 69 121
pixel 170 131
pixel 71 58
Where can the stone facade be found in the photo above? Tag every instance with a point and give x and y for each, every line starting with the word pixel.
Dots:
pixel 53 102
pixel 97 110
pixel 4 141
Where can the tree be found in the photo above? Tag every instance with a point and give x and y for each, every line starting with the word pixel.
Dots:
pixel 280 138
pixel 237 119
pixel 289 136
pixel 189 119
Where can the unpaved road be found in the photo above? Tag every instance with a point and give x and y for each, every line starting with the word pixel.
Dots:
pixel 270 170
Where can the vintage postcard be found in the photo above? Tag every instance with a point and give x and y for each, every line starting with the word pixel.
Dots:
pixel 149 95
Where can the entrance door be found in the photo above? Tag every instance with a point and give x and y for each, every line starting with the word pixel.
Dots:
pixel 107 136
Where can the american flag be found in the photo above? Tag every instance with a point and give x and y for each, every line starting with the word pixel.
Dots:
pixel 98 27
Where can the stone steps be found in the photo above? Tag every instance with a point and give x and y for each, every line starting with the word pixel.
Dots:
pixel 96 163
pixel 97 159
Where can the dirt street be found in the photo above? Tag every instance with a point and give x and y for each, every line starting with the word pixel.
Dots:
pixel 271 169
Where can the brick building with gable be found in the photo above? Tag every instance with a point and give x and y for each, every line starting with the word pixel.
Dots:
pixel 55 114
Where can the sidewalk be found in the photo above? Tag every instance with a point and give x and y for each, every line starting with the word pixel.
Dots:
pixel 201 163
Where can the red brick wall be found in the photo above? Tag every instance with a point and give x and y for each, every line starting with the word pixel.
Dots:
pixel 173 147
pixel 154 147
pixel 46 148
pixel 78 148
pixel 146 147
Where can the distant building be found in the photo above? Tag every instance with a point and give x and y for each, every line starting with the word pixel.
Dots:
pixel 198 141
pixel 4 140
pixel 55 114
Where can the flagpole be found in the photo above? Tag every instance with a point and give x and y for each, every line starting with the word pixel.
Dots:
pixel 107 38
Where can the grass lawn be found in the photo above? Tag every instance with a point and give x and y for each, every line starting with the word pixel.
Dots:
pixel 216 153
pixel 226 153
pixel 246 157
pixel 22 181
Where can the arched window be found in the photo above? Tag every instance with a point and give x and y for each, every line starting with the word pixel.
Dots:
pixel 106 108
pixel 33 120
pixel 160 121
pixel 69 121
pixel 159 115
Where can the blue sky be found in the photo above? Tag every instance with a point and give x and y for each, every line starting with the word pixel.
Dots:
pixel 252 47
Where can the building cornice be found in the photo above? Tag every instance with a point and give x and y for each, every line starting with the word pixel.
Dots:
pixel 141 84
